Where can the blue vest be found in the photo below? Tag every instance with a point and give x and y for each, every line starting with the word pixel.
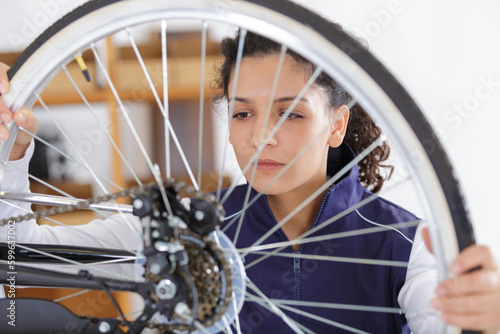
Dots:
pixel 302 279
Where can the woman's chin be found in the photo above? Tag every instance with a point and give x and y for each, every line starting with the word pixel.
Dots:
pixel 268 188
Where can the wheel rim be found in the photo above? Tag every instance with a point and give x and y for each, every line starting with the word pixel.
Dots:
pixel 393 121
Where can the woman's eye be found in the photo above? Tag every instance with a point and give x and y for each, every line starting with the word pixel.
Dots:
pixel 241 115
pixel 291 115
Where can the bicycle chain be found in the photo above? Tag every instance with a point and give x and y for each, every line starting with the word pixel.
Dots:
pixel 209 278
pixel 132 191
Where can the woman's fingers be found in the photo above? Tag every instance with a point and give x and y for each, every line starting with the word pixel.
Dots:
pixel 472 304
pixel 471 300
pixel 5 117
pixel 472 257
pixel 4 79
pixel 486 323
pixel 25 119
pixel 476 282
pixel 5 113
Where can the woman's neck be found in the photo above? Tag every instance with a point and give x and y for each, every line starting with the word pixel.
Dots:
pixel 301 221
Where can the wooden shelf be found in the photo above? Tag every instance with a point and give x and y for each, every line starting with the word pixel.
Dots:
pixel 184 71
pixel 184 75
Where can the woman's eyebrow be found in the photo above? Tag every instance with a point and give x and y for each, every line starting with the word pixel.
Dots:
pixel 240 99
pixel 290 99
pixel 278 100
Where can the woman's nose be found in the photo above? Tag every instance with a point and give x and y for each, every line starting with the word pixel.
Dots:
pixel 263 134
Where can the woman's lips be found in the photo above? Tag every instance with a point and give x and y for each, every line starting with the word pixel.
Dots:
pixel 267 165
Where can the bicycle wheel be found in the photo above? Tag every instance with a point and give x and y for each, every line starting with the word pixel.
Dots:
pixel 321 42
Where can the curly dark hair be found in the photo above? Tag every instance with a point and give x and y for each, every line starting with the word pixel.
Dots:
pixel 361 130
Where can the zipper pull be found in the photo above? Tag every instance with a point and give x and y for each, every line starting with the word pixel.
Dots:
pixel 296 262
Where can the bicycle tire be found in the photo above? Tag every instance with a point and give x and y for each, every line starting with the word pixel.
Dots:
pixel 461 227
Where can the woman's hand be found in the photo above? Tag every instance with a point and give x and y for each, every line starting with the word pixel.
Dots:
pixel 23 117
pixel 471 300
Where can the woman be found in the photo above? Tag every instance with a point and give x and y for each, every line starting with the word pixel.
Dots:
pixel 322 109
pixel 320 116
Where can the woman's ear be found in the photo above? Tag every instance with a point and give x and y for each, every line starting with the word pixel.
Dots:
pixel 339 126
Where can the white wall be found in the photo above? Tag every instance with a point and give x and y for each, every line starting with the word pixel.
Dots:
pixel 445 52
pixel 22 21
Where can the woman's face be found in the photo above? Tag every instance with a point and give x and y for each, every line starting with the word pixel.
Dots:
pixel 309 120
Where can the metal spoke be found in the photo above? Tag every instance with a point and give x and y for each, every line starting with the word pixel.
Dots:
pixel 166 119
pixel 53 200
pixel 239 57
pixel 72 262
pixel 97 263
pixel 258 300
pixel 67 156
pixel 58 125
pixel 339 306
pixel 117 207
pixel 129 314
pixel 202 97
pixel 237 325
pixel 101 126
pixel 160 105
pixel 76 294
pixel 323 320
pixel 403 264
pixel 157 176
pixel 75 229
pixel 123 109
pixel 245 201
pixel 278 246
pixel 196 323
pixel 312 316
pixel 268 114
pixel 273 307
pixel 38 180
pixel 152 168
pixel 226 325
pixel 50 186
